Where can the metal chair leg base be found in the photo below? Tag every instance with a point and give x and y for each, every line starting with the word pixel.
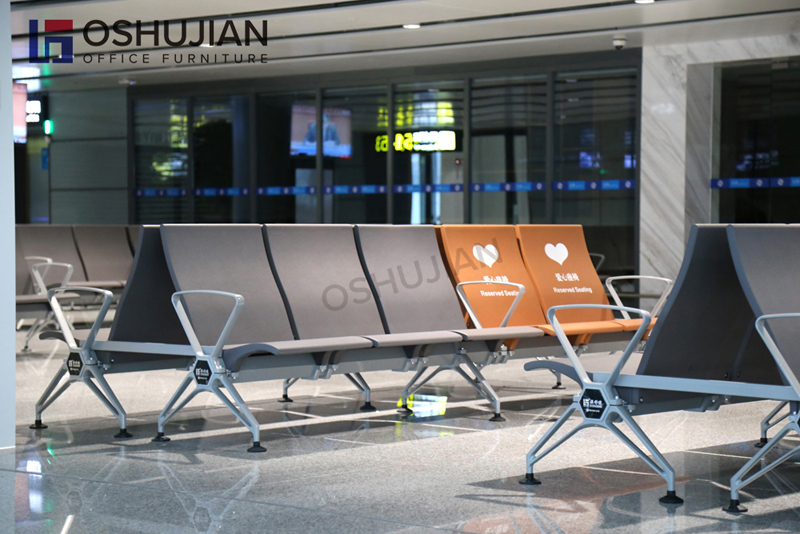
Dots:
pixel 497 418
pixel 761 443
pixel 735 508
pixel 123 434
pixel 529 480
pixel 257 447
pixel 285 399
pixel 558 386
pixel 37 425
pixel 160 438
pixel 404 410
pixel 368 407
pixel 670 498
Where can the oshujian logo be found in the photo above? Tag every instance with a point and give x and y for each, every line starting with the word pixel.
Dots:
pixel 175 34
pixel 65 54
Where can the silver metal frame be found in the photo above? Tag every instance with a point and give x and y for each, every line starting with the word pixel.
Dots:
pixel 659 304
pixel 471 311
pixel 92 372
pixel 616 410
pixel 600 262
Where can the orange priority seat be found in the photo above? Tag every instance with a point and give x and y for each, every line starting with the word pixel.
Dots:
pixel 490 254
pixel 562 271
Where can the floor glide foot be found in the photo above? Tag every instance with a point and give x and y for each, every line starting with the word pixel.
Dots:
pixel 761 443
pixel 735 508
pixel 285 399
pixel 37 425
pixel 530 480
pixel 670 498
pixel 404 410
pixel 123 434
pixel 497 418
pixel 160 438
pixel 558 386
pixel 257 447
pixel 368 407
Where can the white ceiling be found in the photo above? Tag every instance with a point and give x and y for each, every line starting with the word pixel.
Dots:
pixel 314 36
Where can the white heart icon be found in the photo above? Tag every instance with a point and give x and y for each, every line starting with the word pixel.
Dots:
pixel 557 253
pixel 487 255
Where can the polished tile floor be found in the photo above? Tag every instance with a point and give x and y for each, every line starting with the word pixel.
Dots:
pixel 330 468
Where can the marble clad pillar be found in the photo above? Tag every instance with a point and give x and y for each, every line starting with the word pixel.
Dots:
pixel 680 89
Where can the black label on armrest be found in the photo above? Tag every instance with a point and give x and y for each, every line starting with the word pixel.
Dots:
pixel 202 372
pixel 74 364
pixel 593 404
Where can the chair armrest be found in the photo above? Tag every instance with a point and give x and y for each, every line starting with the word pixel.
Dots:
pixel 40 270
pixel 769 341
pixel 661 300
pixel 471 311
pixel 573 357
pixel 600 262
pixel 180 309
pixel 65 326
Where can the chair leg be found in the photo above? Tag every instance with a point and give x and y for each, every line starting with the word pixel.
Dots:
pixel 411 388
pixel 46 400
pixel 167 413
pixel 768 423
pixel 738 481
pixel 533 456
pixel 361 384
pixel 289 382
pixel 240 409
pixel 103 391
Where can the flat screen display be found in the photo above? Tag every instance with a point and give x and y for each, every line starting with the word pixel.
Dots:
pixel 336 132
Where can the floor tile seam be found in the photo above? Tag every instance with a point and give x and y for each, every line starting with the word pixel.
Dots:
pixel 236 499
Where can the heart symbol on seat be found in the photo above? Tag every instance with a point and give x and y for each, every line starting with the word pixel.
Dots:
pixel 487 255
pixel 557 253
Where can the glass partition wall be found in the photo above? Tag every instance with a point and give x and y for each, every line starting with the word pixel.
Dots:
pixel 554 147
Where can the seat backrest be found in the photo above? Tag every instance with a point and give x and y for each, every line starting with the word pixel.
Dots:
pixel 407 274
pixel 232 258
pixel 491 253
pixel 766 257
pixel 133 236
pixel 24 283
pixel 318 269
pixel 105 251
pixel 703 330
pixel 559 264
pixel 52 241
pixel 144 313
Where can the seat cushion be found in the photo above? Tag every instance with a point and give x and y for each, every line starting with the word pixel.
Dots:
pixel 497 333
pixel 234 355
pixel 414 339
pixel 576 329
pixel 631 325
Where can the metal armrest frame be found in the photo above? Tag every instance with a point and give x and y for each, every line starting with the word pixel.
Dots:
pixel 39 276
pixel 608 385
pixel 471 311
pixel 659 304
pixel 600 262
pixel 65 326
pixel 180 309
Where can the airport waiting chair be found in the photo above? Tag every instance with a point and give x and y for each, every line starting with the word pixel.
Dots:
pixel 561 268
pixel 31 298
pixel 414 294
pixel 145 334
pixel 726 334
pixel 105 254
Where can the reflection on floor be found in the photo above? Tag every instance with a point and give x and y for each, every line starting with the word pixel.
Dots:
pixel 331 468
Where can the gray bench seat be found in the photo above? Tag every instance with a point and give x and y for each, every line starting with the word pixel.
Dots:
pixel 719 340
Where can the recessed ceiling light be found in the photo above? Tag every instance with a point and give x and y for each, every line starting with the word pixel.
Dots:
pixel 644 1
pixel 411 26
